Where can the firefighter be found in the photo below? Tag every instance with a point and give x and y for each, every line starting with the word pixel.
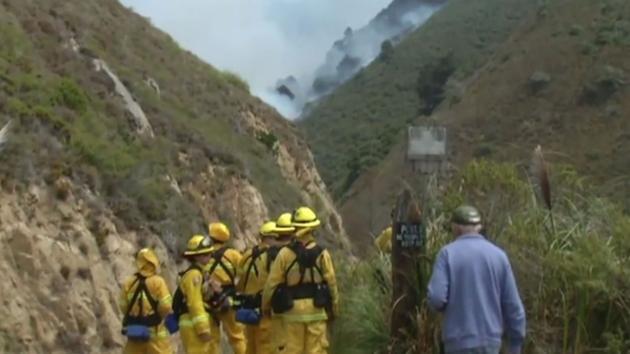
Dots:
pixel 302 290
pixel 223 268
pixel 146 301
pixel 194 319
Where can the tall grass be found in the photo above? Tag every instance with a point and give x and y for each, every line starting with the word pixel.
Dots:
pixel 574 279
pixel 363 325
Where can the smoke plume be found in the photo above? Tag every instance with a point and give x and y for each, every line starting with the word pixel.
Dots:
pixel 263 40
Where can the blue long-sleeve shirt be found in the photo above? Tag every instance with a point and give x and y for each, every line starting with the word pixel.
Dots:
pixel 474 286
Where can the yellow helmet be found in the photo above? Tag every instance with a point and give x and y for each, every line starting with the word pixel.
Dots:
pixel 197 245
pixel 147 256
pixel 283 224
pixel 219 232
pixel 304 217
pixel 268 229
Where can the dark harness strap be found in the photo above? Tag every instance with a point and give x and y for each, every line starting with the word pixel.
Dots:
pixel 299 250
pixel 218 262
pixel 272 254
pixel 303 290
pixel 151 320
pixel 256 253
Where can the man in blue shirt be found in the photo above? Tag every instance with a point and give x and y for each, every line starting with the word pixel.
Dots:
pixel 473 285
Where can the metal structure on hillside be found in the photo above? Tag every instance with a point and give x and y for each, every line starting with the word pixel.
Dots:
pixel 426 149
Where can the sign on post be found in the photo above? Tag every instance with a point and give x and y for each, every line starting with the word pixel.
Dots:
pixel 410 235
pixel 407 247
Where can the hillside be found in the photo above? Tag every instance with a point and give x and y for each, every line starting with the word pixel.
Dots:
pixel 118 139
pixel 570 95
pixel 355 127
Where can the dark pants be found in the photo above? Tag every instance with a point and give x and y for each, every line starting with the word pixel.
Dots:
pixel 483 350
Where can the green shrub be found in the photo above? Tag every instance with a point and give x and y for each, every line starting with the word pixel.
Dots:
pixel 151 195
pixel 387 49
pixel 69 94
pixel 269 140
pixel 17 108
pixel 432 79
pixel 576 30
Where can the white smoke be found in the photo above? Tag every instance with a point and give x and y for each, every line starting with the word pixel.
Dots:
pixel 416 18
pixel 261 40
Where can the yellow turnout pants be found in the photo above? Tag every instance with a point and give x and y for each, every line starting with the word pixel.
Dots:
pixel 300 337
pixel 154 346
pixel 190 339
pixel 233 330
pixel 259 337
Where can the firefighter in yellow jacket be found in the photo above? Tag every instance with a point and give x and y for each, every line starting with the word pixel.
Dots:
pixel 384 241
pixel 302 290
pixel 253 272
pixel 146 301
pixel 223 268
pixel 285 231
pixel 194 322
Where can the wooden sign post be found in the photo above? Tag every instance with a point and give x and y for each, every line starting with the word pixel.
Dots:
pixel 407 245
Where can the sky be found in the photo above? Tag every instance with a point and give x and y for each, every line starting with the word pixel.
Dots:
pixel 261 40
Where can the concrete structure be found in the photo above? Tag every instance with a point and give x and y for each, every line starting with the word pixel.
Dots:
pixel 426 149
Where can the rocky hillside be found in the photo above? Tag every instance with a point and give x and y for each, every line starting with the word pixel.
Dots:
pixel 119 139
pixel 559 80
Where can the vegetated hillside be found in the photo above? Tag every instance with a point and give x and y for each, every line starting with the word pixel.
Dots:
pixel 118 138
pixel 560 81
pixel 356 126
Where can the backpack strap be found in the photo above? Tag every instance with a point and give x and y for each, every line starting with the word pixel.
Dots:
pixel 317 250
pixel 218 262
pixel 272 254
pixel 299 249
pixel 256 253
pixel 318 269
pixel 140 288
pixel 152 301
pixel 132 302
pixel 293 246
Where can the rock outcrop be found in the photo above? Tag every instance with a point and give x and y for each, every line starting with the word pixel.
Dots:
pixel 297 165
pixel 4 133
pixel 141 123
pixel 61 266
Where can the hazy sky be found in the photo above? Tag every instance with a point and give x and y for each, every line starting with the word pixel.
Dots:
pixel 262 40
